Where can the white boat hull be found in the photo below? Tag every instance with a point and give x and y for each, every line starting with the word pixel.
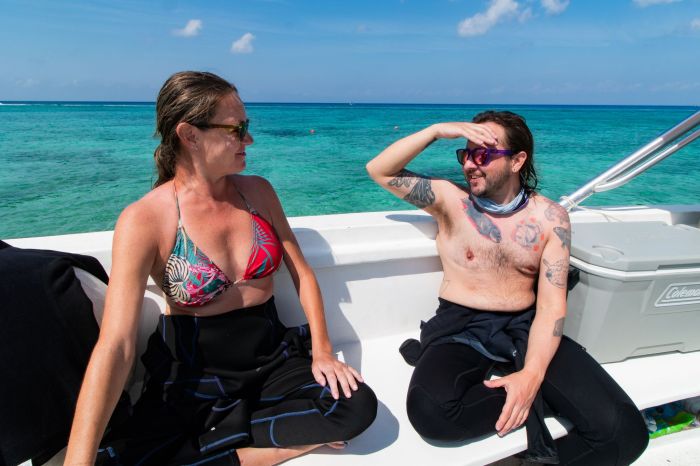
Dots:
pixel 380 274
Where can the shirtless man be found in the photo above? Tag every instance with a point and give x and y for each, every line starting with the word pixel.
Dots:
pixel 505 255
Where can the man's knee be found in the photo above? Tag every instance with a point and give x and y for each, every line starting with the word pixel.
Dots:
pixel 429 417
pixel 620 432
pixel 632 435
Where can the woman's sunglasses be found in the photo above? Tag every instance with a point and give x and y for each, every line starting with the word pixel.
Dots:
pixel 240 130
pixel 481 156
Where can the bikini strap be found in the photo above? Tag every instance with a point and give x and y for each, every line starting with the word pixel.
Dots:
pixel 250 208
pixel 177 205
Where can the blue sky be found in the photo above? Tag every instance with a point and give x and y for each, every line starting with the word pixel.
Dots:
pixel 430 51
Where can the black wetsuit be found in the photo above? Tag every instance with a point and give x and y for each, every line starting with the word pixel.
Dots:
pixel 215 384
pixel 448 401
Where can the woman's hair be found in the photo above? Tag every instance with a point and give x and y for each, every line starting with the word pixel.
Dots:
pixel 519 139
pixel 187 96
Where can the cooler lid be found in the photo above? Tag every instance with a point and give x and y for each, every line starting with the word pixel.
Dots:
pixel 636 246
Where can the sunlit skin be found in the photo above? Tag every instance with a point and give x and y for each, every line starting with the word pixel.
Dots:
pixel 490 262
pixel 207 178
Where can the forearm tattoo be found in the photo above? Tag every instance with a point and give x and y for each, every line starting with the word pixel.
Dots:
pixel 558 328
pixel 421 194
pixel 564 235
pixel 528 234
pixel 481 222
pixel 556 273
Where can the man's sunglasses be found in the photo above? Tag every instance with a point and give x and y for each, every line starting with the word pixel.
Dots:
pixel 480 155
pixel 240 130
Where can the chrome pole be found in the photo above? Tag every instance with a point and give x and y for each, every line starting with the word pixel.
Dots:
pixel 631 164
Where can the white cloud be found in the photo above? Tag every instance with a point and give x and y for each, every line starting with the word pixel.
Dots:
pixel 526 15
pixel 695 24
pixel 554 7
pixel 244 44
pixel 191 29
pixel 480 23
pixel 645 3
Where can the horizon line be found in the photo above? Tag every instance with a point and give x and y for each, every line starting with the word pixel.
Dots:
pixel 352 103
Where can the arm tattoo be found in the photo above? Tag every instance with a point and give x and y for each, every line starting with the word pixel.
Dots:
pixel 402 179
pixel 556 273
pixel 421 194
pixel 558 328
pixel 564 235
pixel 528 234
pixel 483 224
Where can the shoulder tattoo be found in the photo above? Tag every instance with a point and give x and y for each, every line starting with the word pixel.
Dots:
pixel 556 273
pixel 555 212
pixel 421 194
pixel 481 222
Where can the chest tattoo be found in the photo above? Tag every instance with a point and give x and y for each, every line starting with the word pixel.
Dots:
pixel 528 234
pixel 481 222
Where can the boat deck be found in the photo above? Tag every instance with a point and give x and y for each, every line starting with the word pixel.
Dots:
pixel 649 380
pixel 379 273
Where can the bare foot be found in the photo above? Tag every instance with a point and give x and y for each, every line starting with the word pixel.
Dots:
pixel 337 445
pixel 271 456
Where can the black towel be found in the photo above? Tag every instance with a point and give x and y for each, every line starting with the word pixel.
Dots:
pixel 47 332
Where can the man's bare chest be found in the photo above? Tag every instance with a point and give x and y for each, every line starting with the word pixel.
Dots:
pixel 471 239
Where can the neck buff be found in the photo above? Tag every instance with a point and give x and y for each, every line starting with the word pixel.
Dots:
pixel 518 202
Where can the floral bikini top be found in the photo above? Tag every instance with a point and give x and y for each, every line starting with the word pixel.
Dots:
pixel 192 279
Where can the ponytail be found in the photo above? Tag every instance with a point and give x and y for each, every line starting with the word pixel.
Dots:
pixel 187 96
pixel 165 164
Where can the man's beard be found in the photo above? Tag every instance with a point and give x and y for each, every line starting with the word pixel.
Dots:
pixel 493 182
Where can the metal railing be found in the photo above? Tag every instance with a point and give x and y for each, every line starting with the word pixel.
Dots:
pixel 641 160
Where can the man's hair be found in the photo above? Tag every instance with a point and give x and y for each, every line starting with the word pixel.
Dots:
pixel 519 139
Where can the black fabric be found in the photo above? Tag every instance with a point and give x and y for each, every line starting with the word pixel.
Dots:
pixel 216 384
pixel 504 336
pixel 47 332
pixel 448 401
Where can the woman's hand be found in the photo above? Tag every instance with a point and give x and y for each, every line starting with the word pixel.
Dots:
pixel 327 369
pixel 521 388
pixel 478 133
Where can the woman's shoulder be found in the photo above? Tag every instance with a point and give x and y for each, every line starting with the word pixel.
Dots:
pixel 252 182
pixel 151 211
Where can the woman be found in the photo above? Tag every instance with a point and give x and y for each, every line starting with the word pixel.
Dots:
pixel 226 382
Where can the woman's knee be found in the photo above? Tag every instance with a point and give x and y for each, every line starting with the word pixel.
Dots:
pixel 362 409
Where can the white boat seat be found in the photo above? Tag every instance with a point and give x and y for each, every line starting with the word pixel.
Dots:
pixel 650 381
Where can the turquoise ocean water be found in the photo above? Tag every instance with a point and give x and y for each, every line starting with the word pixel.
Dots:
pixel 72 167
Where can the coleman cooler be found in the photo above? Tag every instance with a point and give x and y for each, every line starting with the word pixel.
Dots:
pixel 637 290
